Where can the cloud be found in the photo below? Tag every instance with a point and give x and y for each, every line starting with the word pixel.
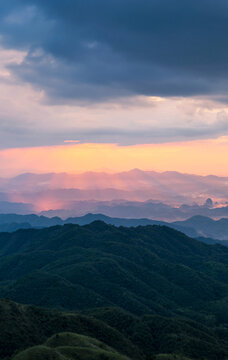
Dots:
pixel 124 72
pixel 14 135
pixel 26 119
pixel 98 50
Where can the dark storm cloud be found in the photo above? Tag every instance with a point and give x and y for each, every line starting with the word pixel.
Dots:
pixel 97 49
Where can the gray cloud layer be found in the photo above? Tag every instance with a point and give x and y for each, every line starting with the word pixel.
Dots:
pixel 93 50
pixel 14 136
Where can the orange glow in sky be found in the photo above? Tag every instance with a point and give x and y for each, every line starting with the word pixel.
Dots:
pixel 196 157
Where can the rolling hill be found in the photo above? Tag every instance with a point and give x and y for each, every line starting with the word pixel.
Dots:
pixel 151 269
pixel 26 326
pixel 32 333
pixel 70 346
pixel 145 293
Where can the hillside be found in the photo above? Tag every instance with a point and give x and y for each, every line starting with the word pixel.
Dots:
pixel 70 346
pixel 25 326
pixel 144 270
pixel 31 333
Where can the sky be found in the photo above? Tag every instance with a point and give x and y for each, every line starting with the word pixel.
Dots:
pixel 113 85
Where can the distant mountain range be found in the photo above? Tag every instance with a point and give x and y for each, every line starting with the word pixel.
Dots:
pixel 204 228
pixel 135 209
pixel 135 193
pixel 116 208
pixel 8 207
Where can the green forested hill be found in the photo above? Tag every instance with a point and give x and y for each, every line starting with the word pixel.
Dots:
pixel 23 326
pixel 144 270
pixel 31 333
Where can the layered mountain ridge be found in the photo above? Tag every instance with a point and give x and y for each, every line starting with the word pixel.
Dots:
pixel 197 227
pixel 136 193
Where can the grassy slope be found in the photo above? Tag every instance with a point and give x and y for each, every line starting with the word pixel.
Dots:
pixel 111 329
pixel 70 346
pixel 23 326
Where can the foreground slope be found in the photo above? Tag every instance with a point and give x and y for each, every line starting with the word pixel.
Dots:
pixel 70 346
pixel 144 270
pixel 25 326
pixel 28 332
